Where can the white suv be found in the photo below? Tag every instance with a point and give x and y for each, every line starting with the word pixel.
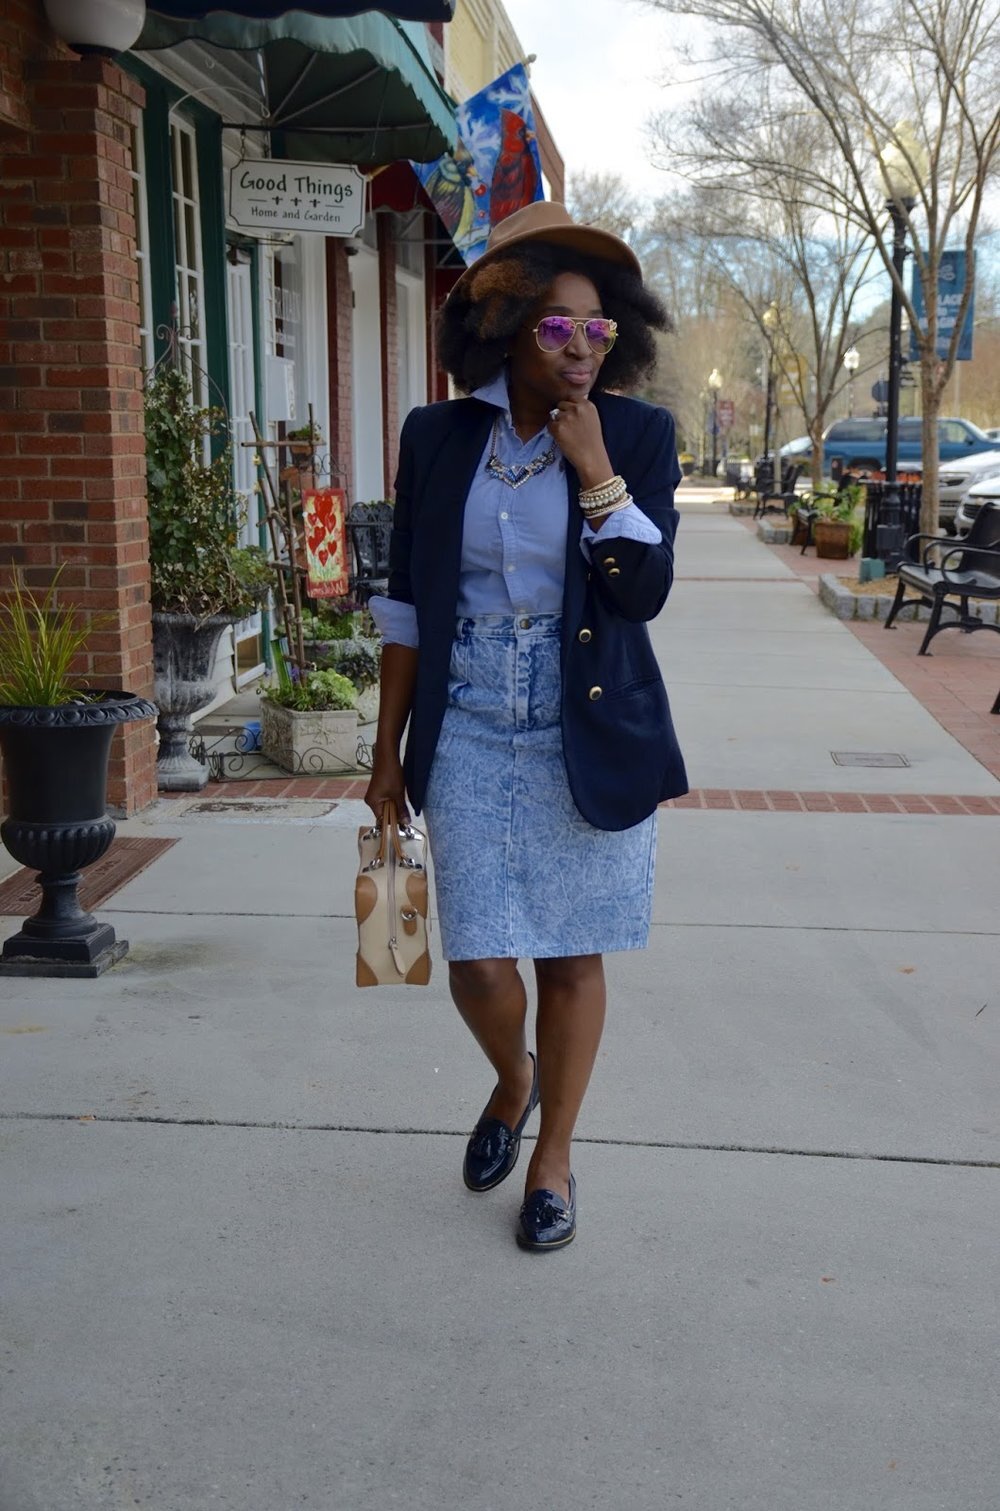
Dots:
pixel 957 477
pixel 986 491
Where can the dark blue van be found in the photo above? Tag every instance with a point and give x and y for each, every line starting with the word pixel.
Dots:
pixel 859 445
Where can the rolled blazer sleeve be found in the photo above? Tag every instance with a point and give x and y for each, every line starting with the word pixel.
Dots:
pixel 632 576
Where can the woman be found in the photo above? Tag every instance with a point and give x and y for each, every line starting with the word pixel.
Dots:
pixel 533 537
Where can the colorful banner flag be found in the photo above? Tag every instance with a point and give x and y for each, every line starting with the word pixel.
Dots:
pixel 494 170
pixel 327 565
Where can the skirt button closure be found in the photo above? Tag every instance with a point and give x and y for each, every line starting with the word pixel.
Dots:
pixel 585 637
pixel 595 693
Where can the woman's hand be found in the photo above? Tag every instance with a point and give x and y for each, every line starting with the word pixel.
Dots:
pixel 387 785
pixel 576 425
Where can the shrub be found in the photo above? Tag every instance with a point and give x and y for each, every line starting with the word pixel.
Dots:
pixel 323 691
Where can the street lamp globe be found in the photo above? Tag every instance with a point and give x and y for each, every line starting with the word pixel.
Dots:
pixel 903 162
pixel 97 26
pixel 715 379
pixel 852 360
pixel 771 317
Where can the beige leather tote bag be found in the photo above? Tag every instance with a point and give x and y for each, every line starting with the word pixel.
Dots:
pixel 390 902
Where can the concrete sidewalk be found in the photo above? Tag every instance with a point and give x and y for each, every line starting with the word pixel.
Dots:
pixel 239 1268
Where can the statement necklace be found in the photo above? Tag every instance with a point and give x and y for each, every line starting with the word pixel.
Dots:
pixel 512 475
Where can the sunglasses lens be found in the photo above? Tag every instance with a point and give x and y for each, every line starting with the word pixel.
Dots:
pixel 555 332
pixel 600 335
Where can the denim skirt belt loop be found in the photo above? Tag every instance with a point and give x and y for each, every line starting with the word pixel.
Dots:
pixel 518 872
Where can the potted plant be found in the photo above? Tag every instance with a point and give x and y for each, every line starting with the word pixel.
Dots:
pixel 303 441
pixel 309 721
pixel 338 644
pixel 837 531
pixel 202 579
pixel 55 736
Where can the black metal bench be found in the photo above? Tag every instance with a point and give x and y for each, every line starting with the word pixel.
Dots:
pixel 785 497
pixel 369 526
pixel 970 569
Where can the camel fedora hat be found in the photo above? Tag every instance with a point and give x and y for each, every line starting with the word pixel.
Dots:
pixel 545 220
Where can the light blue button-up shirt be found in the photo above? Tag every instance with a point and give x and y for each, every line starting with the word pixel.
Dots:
pixel 513 539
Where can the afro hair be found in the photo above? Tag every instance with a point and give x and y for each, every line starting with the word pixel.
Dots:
pixel 478 323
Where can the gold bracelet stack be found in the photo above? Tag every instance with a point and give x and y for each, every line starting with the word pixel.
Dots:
pixel 605 498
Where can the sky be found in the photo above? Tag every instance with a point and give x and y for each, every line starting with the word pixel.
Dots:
pixel 599 74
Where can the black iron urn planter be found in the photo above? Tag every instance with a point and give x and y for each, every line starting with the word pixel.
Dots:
pixel 184 650
pixel 56 763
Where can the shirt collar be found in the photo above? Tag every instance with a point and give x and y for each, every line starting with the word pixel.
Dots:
pixel 495 393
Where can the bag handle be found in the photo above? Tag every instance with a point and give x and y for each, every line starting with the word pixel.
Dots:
pixel 390 825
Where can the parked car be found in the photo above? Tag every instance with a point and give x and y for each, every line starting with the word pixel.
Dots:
pixel 957 477
pixel 985 491
pixel 859 445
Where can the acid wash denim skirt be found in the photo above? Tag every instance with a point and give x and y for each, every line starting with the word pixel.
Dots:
pixel 518 872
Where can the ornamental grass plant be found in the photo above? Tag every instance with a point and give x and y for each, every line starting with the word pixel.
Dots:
pixel 38 643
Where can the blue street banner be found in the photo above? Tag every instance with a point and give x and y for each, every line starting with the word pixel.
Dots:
pixel 494 170
pixel 951 287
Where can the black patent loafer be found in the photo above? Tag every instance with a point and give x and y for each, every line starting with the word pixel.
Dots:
pixel 546 1221
pixel 492 1150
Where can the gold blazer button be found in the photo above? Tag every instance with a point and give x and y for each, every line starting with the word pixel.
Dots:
pixel 585 637
pixel 595 693
pixel 608 561
pixel 614 571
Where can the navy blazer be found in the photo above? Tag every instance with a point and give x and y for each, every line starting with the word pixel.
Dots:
pixel 622 756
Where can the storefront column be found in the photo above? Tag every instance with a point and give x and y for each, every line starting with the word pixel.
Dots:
pixel 72 447
pixel 339 325
pixel 389 308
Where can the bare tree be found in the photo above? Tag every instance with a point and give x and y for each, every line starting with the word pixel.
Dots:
pixel 795 275
pixel 605 200
pixel 905 94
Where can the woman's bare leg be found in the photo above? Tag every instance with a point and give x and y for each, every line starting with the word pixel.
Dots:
pixel 571 1003
pixel 491 998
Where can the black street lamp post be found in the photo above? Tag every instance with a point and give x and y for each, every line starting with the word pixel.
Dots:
pixel 889 533
pixel 715 383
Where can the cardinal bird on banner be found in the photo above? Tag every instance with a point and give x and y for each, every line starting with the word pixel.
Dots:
pixel 494 170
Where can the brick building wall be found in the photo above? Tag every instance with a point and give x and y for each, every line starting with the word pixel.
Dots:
pixel 72 451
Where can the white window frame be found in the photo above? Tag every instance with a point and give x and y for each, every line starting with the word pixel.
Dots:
pixel 188 277
pixel 140 208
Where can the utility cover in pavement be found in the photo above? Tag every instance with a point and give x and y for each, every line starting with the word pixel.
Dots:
pixel 868 758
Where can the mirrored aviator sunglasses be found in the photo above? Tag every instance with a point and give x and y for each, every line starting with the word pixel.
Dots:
pixel 555 332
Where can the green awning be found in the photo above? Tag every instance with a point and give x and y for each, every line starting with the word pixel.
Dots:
pixel 357 90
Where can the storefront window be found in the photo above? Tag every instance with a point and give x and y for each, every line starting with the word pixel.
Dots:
pixel 188 258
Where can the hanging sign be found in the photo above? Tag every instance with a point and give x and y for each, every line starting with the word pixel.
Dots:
pixel 325 529
pixel 952 275
pixel 273 195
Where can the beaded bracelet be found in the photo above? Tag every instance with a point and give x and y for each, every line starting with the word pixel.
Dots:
pixel 602 492
pixel 593 512
pixel 604 499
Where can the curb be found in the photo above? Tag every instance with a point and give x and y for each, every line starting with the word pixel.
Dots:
pixel 847 605
pixel 775 534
